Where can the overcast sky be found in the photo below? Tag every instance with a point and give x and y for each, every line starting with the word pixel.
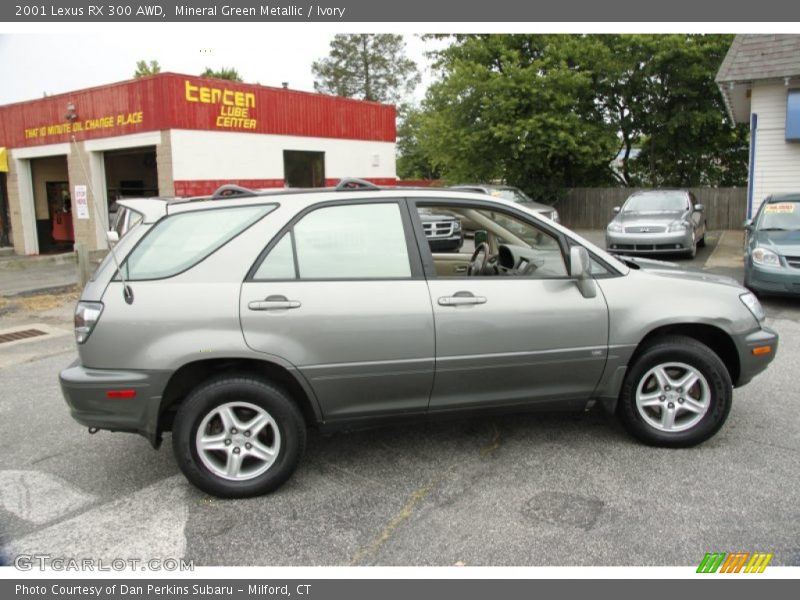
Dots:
pixel 32 64
pixel 59 57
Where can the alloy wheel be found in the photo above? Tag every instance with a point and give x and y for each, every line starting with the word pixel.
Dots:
pixel 238 441
pixel 673 397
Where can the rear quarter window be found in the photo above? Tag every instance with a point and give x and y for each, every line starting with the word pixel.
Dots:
pixel 178 242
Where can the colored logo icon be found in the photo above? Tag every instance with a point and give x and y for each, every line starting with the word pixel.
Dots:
pixel 734 562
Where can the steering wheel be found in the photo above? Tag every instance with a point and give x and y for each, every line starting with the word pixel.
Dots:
pixel 478 260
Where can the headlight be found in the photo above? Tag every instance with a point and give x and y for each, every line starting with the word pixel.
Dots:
pixel 614 227
pixel 678 226
pixel 554 216
pixel 762 256
pixel 457 226
pixel 753 305
pixel 86 316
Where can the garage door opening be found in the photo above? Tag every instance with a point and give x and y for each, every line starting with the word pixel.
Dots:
pixel 130 173
pixel 5 220
pixel 52 204
pixel 303 169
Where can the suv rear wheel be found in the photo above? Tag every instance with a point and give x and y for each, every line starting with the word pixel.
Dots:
pixel 236 437
pixel 677 393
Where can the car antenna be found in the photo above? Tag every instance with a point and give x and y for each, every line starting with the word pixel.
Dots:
pixel 127 291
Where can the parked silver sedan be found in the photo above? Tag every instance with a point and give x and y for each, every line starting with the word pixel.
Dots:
pixel 657 221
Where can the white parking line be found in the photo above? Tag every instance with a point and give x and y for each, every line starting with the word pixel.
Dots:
pixel 39 497
pixel 147 524
pixel 728 252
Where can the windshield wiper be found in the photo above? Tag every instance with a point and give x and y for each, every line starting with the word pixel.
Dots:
pixel 774 229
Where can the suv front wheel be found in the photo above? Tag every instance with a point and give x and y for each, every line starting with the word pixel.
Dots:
pixel 236 437
pixel 677 393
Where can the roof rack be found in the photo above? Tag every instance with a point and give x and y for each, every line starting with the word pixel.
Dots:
pixel 230 190
pixel 353 183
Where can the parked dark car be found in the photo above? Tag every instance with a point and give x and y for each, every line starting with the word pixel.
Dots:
pixel 772 247
pixel 443 232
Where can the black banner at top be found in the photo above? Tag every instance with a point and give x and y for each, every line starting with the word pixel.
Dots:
pixel 441 11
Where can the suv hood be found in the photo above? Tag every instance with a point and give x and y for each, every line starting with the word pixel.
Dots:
pixel 697 276
pixel 671 270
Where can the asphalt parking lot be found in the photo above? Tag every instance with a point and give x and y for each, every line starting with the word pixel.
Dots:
pixel 536 489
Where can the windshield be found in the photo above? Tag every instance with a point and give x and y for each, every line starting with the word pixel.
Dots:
pixel 656 202
pixel 780 216
pixel 510 194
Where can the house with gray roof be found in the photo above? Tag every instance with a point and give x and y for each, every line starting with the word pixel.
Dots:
pixel 760 83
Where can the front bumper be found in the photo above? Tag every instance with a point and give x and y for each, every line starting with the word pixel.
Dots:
pixel 772 280
pixel 649 243
pixel 448 244
pixel 752 360
pixel 85 392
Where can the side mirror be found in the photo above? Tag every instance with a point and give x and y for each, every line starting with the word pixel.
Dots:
pixel 580 268
pixel 699 208
pixel 748 225
pixel 481 237
pixel 616 209
pixel 112 237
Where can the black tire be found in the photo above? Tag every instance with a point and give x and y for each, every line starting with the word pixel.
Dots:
pixel 692 252
pixel 676 350
pixel 701 243
pixel 224 392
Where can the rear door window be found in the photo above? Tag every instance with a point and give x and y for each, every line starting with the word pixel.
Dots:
pixel 358 241
pixel 180 241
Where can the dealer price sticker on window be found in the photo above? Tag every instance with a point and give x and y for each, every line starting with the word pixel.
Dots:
pixel 784 207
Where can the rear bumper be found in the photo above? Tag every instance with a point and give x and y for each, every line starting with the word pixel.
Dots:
pixel 752 364
pixel 85 392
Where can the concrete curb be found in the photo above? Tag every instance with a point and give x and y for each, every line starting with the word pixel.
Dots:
pixel 23 263
pixel 53 289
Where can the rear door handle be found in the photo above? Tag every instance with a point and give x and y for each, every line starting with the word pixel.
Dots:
pixel 273 303
pixel 461 299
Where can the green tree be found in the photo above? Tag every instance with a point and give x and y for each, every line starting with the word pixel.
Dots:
pixel 515 108
pixel 144 68
pixel 687 139
pixel 413 162
pixel 367 66
pixel 550 111
pixel 228 73
pixel 616 64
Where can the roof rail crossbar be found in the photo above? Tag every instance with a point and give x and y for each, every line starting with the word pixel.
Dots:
pixel 230 190
pixel 353 183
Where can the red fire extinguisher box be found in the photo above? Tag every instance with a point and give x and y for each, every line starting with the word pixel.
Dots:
pixel 62 227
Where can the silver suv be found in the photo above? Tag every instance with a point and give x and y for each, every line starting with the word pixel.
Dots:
pixel 237 321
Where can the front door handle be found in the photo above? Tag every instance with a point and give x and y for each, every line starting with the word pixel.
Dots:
pixel 461 299
pixel 273 303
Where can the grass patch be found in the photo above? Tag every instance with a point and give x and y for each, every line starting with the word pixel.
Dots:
pixel 39 302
